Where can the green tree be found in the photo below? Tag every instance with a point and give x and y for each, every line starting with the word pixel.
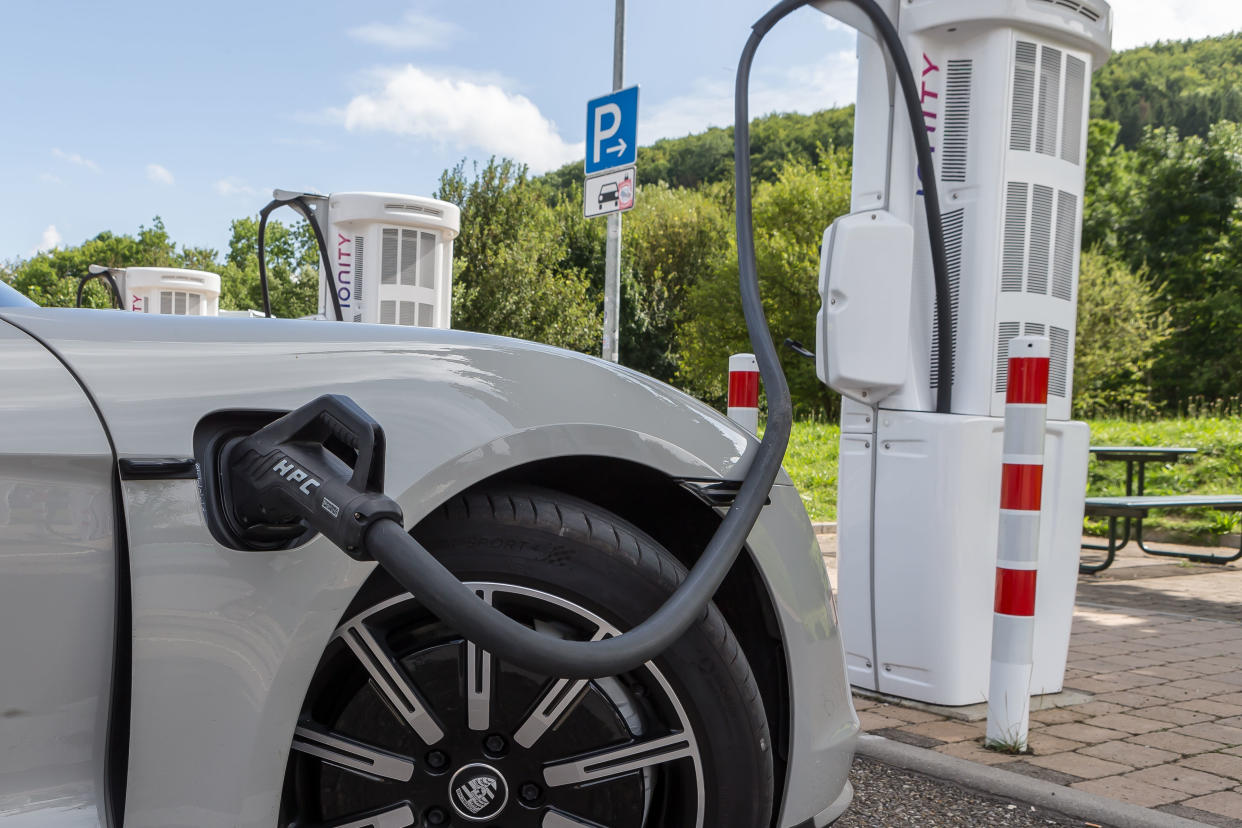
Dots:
pixel 292 268
pixel 673 240
pixel 707 157
pixel 1111 190
pixel 790 216
pixel 51 278
pixel 509 271
pixel 1190 191
pixel 1186 85
pixel 1180 226
pixel 1119 330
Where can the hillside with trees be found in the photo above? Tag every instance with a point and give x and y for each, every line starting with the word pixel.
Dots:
pixel 1160 306
pixel 1188 85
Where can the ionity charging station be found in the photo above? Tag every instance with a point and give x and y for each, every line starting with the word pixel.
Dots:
pixel 1005 88
pixel 390 258
pixel 167 291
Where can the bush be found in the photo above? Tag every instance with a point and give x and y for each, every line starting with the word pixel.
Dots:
pixel 1119 329
pixel 790 216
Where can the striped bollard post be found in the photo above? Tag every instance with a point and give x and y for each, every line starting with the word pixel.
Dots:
pixel 744 391
pixel 1017 552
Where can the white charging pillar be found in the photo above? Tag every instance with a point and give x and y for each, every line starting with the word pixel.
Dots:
pixel 1004 87
pixel 392 258
pixel 169 291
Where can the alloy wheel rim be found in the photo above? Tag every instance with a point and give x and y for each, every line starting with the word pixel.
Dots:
pixel 392 751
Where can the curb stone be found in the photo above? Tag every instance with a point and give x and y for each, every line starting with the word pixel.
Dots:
pixel 990 780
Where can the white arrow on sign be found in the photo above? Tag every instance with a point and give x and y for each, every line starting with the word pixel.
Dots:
pixel 619 148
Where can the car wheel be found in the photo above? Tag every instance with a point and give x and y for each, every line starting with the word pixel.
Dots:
pixel 405 723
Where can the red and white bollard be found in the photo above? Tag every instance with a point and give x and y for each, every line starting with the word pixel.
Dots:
pixel 744 391
pixel 1017 552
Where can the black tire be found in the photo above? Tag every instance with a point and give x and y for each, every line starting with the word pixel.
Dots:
pixel 699 698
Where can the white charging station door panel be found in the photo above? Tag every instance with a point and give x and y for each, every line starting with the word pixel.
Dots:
pixel 863 328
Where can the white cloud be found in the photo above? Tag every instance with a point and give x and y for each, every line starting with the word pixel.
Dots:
pixel 159 174
pixel 234 186
pixel 48 241
pixel 74 158
pixel 460 112
pixel 49 178
pixel 415 31
pixel 830 82
pixel 1136 22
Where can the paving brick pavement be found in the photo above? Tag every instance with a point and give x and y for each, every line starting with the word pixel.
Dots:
pixel 1158 646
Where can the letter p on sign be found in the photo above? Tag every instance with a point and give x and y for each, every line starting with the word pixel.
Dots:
pixel 603 133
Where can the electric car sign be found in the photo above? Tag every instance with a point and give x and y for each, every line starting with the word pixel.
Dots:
pixel 610 192
pixel 612 131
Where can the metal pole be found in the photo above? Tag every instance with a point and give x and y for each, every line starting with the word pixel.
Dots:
pixel 612 251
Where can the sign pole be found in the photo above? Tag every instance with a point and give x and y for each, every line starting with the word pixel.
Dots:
pixel 612 251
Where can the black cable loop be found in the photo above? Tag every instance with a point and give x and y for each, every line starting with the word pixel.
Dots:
pixel 118 301
pixel 412 566
pixel 300 206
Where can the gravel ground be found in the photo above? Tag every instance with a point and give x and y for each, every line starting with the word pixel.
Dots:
pixel 888 797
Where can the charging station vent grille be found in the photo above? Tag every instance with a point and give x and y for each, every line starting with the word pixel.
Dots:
pixel 1049 100
pixel 1063 253
pixel 180 303
pixel 954 222
pixel 393 312
pixel 427 261
pixel 409 258
pixel 388 256
pixel 1005 331
pixel 1051 114
pixel 1058 365
pixel 1013 253
pixel 356 299
pixel 1080 9
pixel 956 120
pixel 1075 90
pixel 1052 236
pixel 1023 115
pixel 414 208
pixel 1041 240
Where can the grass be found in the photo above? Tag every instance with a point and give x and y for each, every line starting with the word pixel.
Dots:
pixel 1217 468
pixel 811 461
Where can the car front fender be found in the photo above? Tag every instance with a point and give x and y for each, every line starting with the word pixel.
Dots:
pixel 225 642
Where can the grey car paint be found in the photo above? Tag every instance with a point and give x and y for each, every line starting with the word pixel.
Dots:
pixel 224 642
pixel 57 591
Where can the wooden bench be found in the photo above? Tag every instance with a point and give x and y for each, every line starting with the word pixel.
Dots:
pixel 1136 507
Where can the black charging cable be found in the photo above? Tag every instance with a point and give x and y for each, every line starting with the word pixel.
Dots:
pixel 118 301
pixel 368 525
pixel 300 205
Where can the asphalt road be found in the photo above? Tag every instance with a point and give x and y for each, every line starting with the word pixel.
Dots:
pixel 889 797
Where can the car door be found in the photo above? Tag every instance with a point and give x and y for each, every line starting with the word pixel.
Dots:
pixel 58 597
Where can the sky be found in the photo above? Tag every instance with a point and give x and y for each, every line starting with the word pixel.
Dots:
pixel 194 112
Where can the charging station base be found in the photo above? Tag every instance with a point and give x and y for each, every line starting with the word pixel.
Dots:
pixel 919 505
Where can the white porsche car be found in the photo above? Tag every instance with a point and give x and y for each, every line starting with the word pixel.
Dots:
pixel 151 675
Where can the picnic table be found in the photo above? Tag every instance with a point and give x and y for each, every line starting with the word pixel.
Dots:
pixel 1135 504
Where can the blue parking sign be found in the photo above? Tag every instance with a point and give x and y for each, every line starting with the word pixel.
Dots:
pixel 612 130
